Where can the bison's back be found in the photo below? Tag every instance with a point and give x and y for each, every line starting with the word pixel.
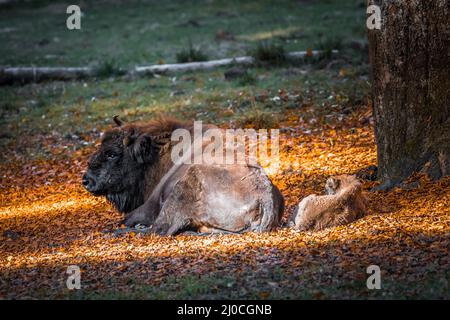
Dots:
pixel 232 198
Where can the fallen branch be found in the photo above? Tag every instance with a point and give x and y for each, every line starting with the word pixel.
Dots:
pixel 212 64
pixel 30 74
pixel 193 66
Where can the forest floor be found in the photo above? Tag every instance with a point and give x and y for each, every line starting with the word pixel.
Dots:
pixel 48 130
pixel 48 222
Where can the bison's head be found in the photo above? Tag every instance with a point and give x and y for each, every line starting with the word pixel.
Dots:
pixel 117 168
pixel 334 184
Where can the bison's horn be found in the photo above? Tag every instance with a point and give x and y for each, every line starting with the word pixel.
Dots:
pixel 117 120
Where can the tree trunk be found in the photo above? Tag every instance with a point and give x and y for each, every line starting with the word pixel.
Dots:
pixel 409 59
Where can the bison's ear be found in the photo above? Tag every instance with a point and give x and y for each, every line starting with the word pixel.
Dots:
pixel 331 185
pixel 141 147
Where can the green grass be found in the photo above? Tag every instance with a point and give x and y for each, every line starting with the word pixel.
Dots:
pixel 268 53
pixel 191 54
pixel 274 283
pixel 108 68
pixel 66 108
pixel 146 32
pixel 117 35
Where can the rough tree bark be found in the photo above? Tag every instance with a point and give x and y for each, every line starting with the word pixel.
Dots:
pixel 409 59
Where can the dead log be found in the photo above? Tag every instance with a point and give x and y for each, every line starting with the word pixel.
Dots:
pixel 192 66
pixel 212 64
pixel 30 74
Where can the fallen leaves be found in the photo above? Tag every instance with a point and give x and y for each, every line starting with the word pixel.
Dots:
pixel 48 222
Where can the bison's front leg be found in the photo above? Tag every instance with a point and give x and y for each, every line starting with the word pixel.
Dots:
pixel 144 215
pixel 181 206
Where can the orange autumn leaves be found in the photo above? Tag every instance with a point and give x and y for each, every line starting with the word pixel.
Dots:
pixel 48 222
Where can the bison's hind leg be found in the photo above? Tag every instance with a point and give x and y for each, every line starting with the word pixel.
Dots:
pixel 299 220
pixel 136 229
pixel 209 232
pixel 181 206
pixel 171 226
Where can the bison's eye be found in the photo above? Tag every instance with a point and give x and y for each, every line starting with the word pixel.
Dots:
pixel 111 155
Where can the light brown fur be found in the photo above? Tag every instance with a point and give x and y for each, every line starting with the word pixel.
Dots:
pixel 343 203
pixel 134 169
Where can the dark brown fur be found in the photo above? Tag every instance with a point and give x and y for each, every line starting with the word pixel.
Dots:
pixel 143 161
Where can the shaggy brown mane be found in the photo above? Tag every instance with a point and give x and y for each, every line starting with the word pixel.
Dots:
pixel 158 125
pixel 152 127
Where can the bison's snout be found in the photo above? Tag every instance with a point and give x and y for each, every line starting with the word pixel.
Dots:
pixel 88 182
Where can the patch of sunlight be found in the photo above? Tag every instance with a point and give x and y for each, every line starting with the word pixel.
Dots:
pixel 44 208
pixel 266 35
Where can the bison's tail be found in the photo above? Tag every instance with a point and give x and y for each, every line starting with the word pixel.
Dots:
pixel 272 209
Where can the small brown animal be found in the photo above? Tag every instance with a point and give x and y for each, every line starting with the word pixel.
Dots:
pixel 342 204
